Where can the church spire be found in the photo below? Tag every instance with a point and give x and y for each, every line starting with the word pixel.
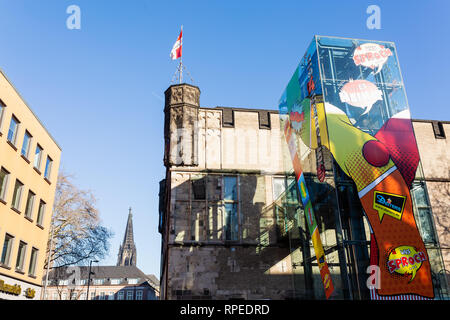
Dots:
pixel 127 251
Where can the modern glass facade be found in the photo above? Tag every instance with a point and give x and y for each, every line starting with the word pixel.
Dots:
pixel 347 110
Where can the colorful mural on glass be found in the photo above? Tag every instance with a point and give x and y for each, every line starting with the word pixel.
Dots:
pixel 368 130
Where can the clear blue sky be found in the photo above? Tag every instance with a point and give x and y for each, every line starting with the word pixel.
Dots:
pixel 99 90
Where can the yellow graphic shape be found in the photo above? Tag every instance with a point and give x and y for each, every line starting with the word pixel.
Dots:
pixel 302 189
pixel 318 249
pixel 320 108
pixel 405 260
pixel 346 143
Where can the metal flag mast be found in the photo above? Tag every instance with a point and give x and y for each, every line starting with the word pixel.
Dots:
pixel 179 72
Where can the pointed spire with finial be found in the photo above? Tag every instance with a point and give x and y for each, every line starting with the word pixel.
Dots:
pixel 127 251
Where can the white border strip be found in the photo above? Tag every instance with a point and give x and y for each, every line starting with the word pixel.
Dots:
pixel 363 192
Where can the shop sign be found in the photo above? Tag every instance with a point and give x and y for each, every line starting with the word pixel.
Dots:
pixel 11 289
pixel 30 293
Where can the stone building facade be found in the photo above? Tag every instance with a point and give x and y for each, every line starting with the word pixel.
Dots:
pixel 229 215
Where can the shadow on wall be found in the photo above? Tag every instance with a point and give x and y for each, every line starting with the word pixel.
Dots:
pixel 227 243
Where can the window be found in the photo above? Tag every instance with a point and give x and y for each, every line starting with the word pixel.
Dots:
pixel 99 281
pixel 21 256
pixel 6 252
pixel 33 259
pixel 41 212
pixel 2 112
pixel 93 295
pixel 83 296
pixel 81 282
pixel 73 295
pixel 102 295
pixel 64 296
pixel 438 129
pixel 26 144
pixel 63 282
pixel 284 187
pixel 17 194
pixel 132 281
pixel 120 295
pixel 129 295
pixel 116 281
pixel 139 295
pixel 4 175
pixel 30 203
pixel 422 213
pixel 48 168
pixel 111 296
pixel 55 295
pixel 38 157
pixel 13 128
pixel 230 213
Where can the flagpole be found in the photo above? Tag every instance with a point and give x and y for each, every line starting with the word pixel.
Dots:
pixel 181 57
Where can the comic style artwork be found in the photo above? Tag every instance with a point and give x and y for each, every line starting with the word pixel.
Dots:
pixel 348 96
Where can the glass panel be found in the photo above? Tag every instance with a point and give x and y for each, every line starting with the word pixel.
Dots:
pixel 3 183
pixel 41 212
pixel 278 187
pixel 20 255
pixel 48 167
pixel 6 249
pixel 30 202
pixel 12 130
pixel 230 190
pixel 231 223
pixel 33 258
pixel 37 157
pixel 2 111
pixel 26 144
pixel 17 194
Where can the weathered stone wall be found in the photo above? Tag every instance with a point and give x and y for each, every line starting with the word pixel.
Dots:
pixel 435 158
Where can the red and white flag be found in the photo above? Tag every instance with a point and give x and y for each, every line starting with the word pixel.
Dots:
pixel 177 47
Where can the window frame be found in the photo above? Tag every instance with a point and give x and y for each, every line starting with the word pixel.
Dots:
pixel 41 212
pixel 98 281
pixel 235 203
pixel 2 114
pixel 4 184
pixel 33 262
pixel 16 200
pixel 13 139
pixel 21 254
pixel 29 206
pixel 48 167
pixel 5 258
pixel 129 294
pixel 28 147
pixel 38 157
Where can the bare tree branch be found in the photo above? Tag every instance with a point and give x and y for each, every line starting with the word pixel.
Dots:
pixel 78 235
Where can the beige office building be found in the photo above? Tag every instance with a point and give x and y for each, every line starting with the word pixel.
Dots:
pixel 29 162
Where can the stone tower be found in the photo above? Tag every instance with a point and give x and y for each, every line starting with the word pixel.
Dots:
pixel 181 125
pixel 127 251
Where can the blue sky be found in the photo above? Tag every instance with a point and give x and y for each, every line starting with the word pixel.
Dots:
pixel 99 90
